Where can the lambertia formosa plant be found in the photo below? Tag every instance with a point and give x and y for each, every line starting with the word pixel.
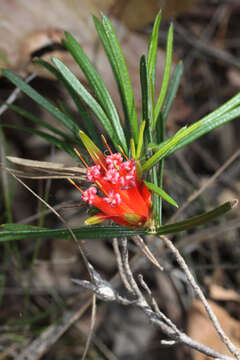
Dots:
pixel 127 174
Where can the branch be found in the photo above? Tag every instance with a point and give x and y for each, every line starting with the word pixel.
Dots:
pixel 155 315
pixel 225 339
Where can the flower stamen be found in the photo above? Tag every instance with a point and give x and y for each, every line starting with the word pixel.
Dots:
pixel 100 161
pixel 123 153
pixel 80 157
pixel 74 184
pixel 106 144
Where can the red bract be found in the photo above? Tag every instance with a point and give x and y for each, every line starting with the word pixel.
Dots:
pixel 124 198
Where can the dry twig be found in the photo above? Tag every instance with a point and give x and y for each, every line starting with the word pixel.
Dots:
pixel 152 312
pixel 232 348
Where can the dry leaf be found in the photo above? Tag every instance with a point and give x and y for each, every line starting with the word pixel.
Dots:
pixel 41 169
pixel 201 329
pixel 28 27
pixel 35 29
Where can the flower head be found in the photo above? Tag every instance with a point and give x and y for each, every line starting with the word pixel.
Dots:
pixel 117 189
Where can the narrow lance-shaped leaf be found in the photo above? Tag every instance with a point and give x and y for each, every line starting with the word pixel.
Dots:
pixel 164 150
pixel 117 61
pixel 18 231
pixel 87 98
pixel 140 141
pixel 217 118
pixel 147 107
pixel 93 150
pixel 153 48
pixel 84 116
pixel 166 100
pixel 33 94
pixel 166 76
pixel 41 122
pixel 223 109
pixel 151 68
pixel 133 148
pixel 160 192
pixel 97 85
pixel 145 102
pixel 160 133
pixel 197 220
pixel 172 90
pixel 206 125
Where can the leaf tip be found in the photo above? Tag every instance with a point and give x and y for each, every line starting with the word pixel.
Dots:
pixel 66 33
pixel 54 60
pixel 95 19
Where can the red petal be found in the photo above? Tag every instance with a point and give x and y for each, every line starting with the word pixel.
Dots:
pixel 145 193
pixel 133 198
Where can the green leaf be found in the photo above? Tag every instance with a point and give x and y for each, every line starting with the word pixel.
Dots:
pixel 151 68
pixel 229 105
pixel 117 61
pixel 33 94
pixel 166 76
pixel 207 125
pixel 87 98
pixel 18 231
pixel 84 116
pixel 166 148
pixel 160 133
pixel 153 47
pixel 95 153
pixel 11 232
pixel 133 149
pixel 140 140
pixel 144 89
pixel 147 106
pixel 160 192
pixel 161 124
pixel 172 90
pixel 227 112
pixel 197 220
pixel 38 121
pixel 97 85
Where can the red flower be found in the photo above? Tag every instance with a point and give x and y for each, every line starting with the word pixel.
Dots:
pixel 125 198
